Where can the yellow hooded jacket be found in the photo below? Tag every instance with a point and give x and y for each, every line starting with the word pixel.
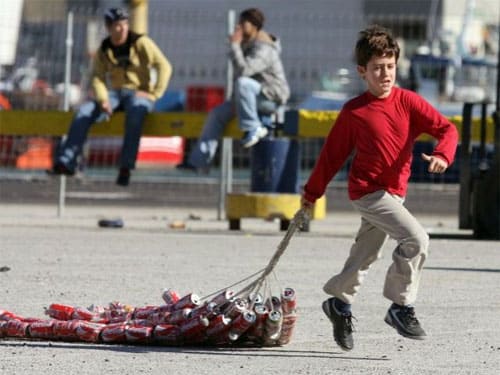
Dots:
pixel 135 73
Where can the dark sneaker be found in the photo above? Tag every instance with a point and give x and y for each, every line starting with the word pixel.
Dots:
pixel 61 169
pixel 123 178
pixel 403 319
pixel 342 325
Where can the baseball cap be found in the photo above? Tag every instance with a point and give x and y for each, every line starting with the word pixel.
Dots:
pixel 115 14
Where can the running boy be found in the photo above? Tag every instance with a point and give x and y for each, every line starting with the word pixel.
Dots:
pixel 380 126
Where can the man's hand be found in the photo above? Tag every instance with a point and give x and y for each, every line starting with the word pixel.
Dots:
pixel 106 107
pixel 306 205
pixel 143 94
pixel 436 165
pixel 237 35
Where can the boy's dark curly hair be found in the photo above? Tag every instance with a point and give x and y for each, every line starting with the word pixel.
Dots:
pixel 375 41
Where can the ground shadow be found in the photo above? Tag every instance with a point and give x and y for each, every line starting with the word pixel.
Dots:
pixel 463 269
pixel 219 351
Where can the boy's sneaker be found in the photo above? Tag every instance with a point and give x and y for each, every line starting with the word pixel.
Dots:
pixel 252 137
pixel 123 178
pixel 342 325
pixel 61 169
pixel 404 320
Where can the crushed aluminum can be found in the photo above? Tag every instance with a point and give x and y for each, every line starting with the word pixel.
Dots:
pixel 217 325
pixel 178 316
pixel 81 313
pixel 255 298
pixel 60 312
pixel 273 327
pixel 240 324
pixel 3 324
pixel 65 329
pixel 167 334
pixel 158 318
pixel 287 329
pixel 140 323
pixel 7 315
pixel 114 333
pixel 288 301
pixel 190 300
pixel 16 328
pixel 138 335
pixel 42 329
pixel 170 296
pixel 89 332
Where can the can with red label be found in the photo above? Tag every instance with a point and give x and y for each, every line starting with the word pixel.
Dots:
pixel 3 324
pixel 273 327
pixel 288 301
pixel 120 318
pixel 16 328
pixel 255 298
pixel 167 334
pixel 140 323
pixel 81 313
pixel 241 323
pixel 223 297
pixel 7 315
pixel 138 335
pixel 190 300
pixel 65 329
pixel 178 316
pixel 170 296
pixel 60 312
pixel 287 329
pixel 42 329
pixel 207 310
pixel 157 318
pixel 114 333
pixel 217 325
pixel 144 312
pixel 236 308
pixel 89 332
pixel 256 332
pixel 193 327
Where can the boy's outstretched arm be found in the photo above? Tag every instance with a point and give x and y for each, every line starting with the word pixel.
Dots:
pixel 436 164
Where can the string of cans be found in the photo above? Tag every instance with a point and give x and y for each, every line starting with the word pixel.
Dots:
pixel 243 318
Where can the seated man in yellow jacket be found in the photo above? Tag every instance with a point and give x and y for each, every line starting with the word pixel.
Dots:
pixel 124 62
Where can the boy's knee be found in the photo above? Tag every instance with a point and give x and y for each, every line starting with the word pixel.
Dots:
pixel 417 243
pixel 242 84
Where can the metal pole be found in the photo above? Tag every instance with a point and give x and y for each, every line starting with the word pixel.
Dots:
pixel 67 82
pixel 226 163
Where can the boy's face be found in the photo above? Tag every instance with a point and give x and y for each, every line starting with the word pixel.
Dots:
pixel 118 31
pixel 380 75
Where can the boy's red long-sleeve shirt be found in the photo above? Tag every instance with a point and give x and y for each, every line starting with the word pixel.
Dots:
pixel 381 132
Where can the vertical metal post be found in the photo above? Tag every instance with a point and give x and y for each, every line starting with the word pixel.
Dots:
pixel 465 202
pixel 67 82
pixel 226 162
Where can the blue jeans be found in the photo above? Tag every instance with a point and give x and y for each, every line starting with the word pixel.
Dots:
pixel 249 103
pixel 136 109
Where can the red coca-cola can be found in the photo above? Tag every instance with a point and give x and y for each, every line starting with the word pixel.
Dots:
pixel 190 300
pixel 236 308
pixel 273 327
pixel 60 312
pixel 256 332
pixel 207 310
pixel 16 328
pixel 42 329
pixel 287 329
pixel 158 318
pixel 193 327
pixel 288 301
pixel 140 323
pixel 167 334
pixel 255 298
pixel 241 324
pixel 65 329
pixel 6 315
pixel 165 308
pixel 114 333
pixel 89 332
pixel 144 312
pixel 120 318
pixel 170 296
pixel 217 325
pixel 138 335
pixel 81 313
pixel 178 316
pixel 3 325
pixel 223 297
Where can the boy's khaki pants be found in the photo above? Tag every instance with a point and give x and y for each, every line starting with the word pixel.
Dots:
pixel 383 215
